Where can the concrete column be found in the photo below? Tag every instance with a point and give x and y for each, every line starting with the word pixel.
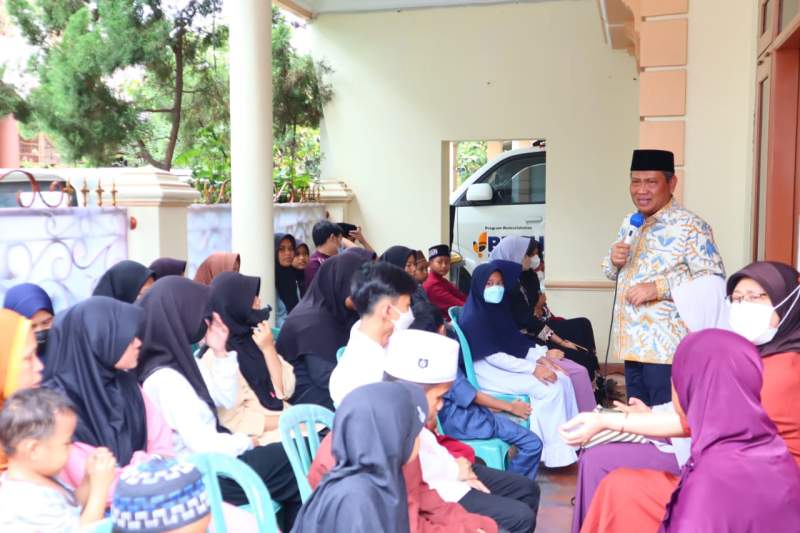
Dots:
pixel 158 201
pixel 251 140
pixel 9 142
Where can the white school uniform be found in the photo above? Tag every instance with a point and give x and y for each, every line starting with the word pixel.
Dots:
pixel 193 424
pixel 553 404
pixel 361 364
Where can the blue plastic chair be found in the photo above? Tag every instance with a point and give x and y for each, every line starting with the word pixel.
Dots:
pixel 492 451
pixel 261 505
pixel 275 333
pixel 340 353
pixel 301 448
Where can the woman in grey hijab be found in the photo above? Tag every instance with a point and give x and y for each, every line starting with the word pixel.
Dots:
pixel 376 432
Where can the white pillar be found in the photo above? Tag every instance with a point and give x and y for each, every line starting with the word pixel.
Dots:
pixel 251 140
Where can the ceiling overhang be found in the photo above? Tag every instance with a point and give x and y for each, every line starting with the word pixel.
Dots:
pixel 310 8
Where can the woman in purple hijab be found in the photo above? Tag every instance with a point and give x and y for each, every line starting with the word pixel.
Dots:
pixel 740 476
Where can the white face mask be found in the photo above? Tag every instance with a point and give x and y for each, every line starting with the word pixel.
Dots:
pixel 405 319
pixel 752 320
pixel 535 262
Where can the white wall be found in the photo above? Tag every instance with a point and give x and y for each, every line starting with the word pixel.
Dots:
pixel 719 122
pixel 404 82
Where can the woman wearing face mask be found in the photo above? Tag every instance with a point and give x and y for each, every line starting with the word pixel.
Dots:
pixel 263 376
pixel 32 302
pixel 766 311
pixel 575 337
pixel 507 362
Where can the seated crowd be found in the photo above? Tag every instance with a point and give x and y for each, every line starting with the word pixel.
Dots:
pixel 103 402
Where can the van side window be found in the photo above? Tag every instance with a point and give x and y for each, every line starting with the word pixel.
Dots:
pixel 519 181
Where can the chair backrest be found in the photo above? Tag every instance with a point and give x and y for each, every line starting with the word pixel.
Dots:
pixel 213 465
pixel 466 353
pixel 340 353
pixel 301 447
pixel 275 333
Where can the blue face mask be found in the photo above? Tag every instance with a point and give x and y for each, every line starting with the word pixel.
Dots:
pixel 494 294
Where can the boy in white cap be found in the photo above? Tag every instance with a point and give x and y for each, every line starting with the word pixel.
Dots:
pixel 431 361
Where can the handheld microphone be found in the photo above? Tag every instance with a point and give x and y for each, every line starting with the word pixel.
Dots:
pixel 636 222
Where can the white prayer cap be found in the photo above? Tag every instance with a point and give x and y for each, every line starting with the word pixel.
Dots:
pixel 421 357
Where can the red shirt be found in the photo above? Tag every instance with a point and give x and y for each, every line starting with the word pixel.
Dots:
pixel 427 512
pixel 443 294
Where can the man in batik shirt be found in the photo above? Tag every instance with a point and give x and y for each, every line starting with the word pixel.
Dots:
pixel 673 246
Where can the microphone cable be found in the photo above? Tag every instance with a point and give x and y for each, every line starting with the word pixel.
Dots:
pixel 610 328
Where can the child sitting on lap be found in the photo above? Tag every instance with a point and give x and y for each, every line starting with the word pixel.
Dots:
pixel 36 427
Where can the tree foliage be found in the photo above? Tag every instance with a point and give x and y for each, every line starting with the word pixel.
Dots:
pixel 85 49
pixel 10 101
pixel 147 81
pixel 470 156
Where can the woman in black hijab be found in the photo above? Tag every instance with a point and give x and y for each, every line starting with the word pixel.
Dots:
pixel 233 296
pixel 90 348
pixel 286 277
pixel 176 316
pixel 375 433
pixel 401 257
pixel 405 258
pixel 318 327
pixel 126 281
pixel 167 266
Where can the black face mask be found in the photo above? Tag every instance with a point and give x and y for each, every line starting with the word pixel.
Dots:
pixel 259 315
pixel 201 331
pixel 41 342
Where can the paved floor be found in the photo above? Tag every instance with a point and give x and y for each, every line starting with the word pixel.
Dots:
pixel 555 509
pixel 558 485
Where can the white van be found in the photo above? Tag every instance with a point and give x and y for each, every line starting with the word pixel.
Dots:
pixel 506 196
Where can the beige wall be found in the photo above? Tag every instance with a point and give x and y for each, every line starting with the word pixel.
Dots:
pixel 404 82
pixel 719 121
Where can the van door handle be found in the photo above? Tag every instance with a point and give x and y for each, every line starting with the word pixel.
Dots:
pixel 534 220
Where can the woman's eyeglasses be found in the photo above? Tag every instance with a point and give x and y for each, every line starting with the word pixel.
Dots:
pixel 750 297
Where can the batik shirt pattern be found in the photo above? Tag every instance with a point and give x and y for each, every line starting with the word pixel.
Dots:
pixel 673 246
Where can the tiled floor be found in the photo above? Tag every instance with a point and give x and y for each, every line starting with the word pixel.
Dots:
pixel 555 509
pixel 558 484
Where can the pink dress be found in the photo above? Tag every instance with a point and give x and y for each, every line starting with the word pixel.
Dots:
pixel 159 443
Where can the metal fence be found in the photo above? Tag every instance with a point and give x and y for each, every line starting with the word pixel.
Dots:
pixel 209 228
pixel 65 251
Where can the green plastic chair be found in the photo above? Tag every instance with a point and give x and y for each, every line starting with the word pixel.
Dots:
pixel 275 333
pixel 301 448
pixel 340 353
pixel 492 451
pixel 261 505
pixel 466 356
